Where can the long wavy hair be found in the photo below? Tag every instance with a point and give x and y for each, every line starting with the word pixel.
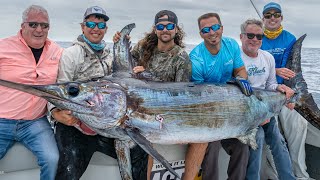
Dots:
pixel 150 42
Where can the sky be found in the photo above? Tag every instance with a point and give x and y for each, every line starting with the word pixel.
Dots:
pixel 65 16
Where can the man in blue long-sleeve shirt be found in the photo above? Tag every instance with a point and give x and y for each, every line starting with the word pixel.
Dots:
pixel 279 43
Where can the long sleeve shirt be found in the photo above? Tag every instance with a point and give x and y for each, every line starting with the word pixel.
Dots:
pixel 261 70
pixel 280 48
pixel 17 64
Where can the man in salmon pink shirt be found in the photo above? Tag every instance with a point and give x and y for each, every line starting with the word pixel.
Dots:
pixel 29 58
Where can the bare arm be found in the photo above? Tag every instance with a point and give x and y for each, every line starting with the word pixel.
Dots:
pixel 288 92
pixel 241 71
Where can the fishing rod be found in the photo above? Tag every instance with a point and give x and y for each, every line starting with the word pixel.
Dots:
pixel 256 9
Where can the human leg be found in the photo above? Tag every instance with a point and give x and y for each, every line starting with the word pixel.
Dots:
pixel 295 132
pixel 139 161
pixel 254 162
pixel 139 158
pixel 268 168
pixel 75 149
pixel 239 155
pixel 194 156
pixel 210 164
pixel 37 135
pixel 150 165
pixel 278 149
pixel 106 146
pixel 7 136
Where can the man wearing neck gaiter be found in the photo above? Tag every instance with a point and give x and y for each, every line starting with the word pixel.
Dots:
pixel 279 43
pixel 87 59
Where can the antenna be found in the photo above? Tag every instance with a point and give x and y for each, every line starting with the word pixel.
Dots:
pixel 256 9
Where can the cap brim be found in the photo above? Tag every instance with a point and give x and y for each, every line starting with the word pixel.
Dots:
pixel 105 17
pixel 271 8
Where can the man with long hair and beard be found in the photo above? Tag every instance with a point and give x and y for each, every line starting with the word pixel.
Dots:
pixel 161 52
pixel 160 56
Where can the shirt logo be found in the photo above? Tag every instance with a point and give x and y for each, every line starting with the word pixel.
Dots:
pixel 276 51
pixel 228 62
pixel 255 71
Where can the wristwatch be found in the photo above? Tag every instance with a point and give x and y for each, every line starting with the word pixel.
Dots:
pixel 51 120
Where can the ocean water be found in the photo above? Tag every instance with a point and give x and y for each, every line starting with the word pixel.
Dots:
pixel 310 60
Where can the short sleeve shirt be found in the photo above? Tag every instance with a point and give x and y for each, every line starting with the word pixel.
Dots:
pixel 215 68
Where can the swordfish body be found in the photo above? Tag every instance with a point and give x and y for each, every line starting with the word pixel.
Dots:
pixel 174 113
pixel 165 113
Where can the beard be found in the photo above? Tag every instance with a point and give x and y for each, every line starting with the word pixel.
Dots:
pixel 213 41
pixel 166 38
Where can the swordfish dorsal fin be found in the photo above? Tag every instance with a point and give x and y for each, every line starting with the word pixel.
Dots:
pixel 122 59
pixel 305 105
pixel 294 60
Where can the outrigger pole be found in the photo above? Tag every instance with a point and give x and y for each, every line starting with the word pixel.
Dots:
pixel 256 9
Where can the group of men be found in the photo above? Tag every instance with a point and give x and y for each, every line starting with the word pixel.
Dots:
pixel 31 58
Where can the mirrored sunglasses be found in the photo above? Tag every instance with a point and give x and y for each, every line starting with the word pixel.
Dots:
pixel 214 28
pixel 92 25
pixel 160 27
pixel 269 15
pixel 251 36
pixel 36 24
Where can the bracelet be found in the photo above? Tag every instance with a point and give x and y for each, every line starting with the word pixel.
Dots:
pixel 50 117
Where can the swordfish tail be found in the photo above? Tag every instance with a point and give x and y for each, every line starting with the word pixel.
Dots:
pixel 121 51
pixel 305 105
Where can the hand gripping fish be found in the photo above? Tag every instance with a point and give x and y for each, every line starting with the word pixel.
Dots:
pixel 146 112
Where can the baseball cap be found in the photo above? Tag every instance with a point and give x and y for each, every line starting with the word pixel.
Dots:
pixel 95 10
pixel 172 17
pixel 271 5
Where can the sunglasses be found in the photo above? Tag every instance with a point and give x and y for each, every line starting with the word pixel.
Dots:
pixel 92 25
pixel 36 24
pixel 251 36
pixel 269 15
pixel 214 28
pixel 160 27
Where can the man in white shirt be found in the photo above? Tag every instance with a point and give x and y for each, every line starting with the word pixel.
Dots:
pixel 260 67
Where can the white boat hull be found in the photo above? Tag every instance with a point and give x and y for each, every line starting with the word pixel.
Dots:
pixel 20 163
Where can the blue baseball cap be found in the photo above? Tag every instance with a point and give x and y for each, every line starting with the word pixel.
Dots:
pixel 271 5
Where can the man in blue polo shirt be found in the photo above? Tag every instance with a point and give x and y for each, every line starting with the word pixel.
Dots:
pixel 217 59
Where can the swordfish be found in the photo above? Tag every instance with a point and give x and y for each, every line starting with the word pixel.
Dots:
pixel 126 108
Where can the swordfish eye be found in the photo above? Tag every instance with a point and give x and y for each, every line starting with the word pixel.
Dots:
pixel 73 89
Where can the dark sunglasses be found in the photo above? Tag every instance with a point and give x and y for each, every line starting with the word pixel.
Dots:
pixel 92 25
pixel 269 15
pixel 160 27
pixel 251 36
pixel 35 25
pixel 214 28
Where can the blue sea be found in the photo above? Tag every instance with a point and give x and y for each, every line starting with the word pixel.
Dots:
pixel 310 60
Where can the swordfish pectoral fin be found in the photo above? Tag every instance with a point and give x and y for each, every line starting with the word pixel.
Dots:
pixel 250 138
pixel 124 160
pixel 146 146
